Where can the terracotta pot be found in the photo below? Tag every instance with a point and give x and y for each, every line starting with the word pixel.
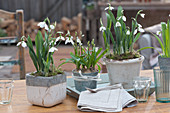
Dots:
pixel 123 71
pixel 46 91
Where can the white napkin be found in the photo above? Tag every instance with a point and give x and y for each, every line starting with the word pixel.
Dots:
pixel 106 100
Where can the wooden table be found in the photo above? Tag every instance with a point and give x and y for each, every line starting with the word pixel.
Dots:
pixel 19 103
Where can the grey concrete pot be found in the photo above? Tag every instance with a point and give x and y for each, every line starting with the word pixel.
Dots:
pixel 123 71
pixel 81 84
pixel 46 91
pixel 164 63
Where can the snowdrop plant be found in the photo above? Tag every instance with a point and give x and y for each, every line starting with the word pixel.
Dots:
pixel 85 58
pixel 165 33
pixel 45 46
pixel 125 37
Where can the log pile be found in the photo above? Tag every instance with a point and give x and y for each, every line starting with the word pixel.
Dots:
pixel 31 28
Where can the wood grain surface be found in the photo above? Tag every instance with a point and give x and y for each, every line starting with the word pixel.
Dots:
pixel 19 103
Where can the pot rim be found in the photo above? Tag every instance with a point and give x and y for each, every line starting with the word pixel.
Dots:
pixel 160 57
pixel 29 74
pixel 140 59
pixel 74 70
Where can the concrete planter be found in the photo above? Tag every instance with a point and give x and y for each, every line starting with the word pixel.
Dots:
pixel 46 91
pixel 123 71
pixel 81 84
pixel 164 63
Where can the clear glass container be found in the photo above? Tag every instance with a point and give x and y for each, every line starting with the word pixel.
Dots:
pixel 6 89
pixel 162 85
pixel 141 88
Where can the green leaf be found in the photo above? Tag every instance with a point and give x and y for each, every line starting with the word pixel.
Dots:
pixel 119 11
pixel 99 68
pixel 39 45
pixel 168 39
pixel 108 21
pixel 163 24
pixel 101 55
pixel 163 49
pixel 32 53
pixel 136 37
pixel 148 48
pixel 98 52
pixel 112 17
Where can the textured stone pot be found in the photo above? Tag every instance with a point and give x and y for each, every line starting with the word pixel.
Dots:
pixel 123 71
pixel 81 84
pixel 164 63
pixel 46 91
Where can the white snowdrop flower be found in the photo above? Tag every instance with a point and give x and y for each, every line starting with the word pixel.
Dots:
pixel 128 32
pixel 124 18
pixel 52 26
pixel 52 49
pixel 109 7
pixel 158 33
pixel 59 38
pixel 135 32
pixel 169 15
pixel 69 40
pixel 119 18
pixel 106 8
pixel 82 35
pixel 19 43
pixel 78 40
pixel 96 49
pixel 51 42
pixel 118 24
pixel 59 32
pixel 102 28
pixel 122 11
pixel 142 15
pixel 141 30
pixel 23 44
pixel 41 24
pixel 139 25
pixel 46 27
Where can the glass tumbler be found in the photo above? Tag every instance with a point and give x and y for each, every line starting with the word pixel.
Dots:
pixel 162 85
pixel 141 88
pixel 6 89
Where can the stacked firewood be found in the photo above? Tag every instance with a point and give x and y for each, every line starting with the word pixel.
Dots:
pixel 31 28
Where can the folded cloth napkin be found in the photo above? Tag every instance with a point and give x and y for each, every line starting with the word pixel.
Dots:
pixel 109 100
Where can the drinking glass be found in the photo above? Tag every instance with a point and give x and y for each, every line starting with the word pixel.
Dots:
pixel 141 88
pixel 162 85
pixel 6 88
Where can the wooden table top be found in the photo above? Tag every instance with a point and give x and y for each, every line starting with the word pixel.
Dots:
pixel 19 103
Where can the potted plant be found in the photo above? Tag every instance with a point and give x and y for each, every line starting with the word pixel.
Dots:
pixel 86 59
pixel 164 58
pixel 47 85
pixel 122 61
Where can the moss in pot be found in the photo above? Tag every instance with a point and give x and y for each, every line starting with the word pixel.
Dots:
pixel 86 60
